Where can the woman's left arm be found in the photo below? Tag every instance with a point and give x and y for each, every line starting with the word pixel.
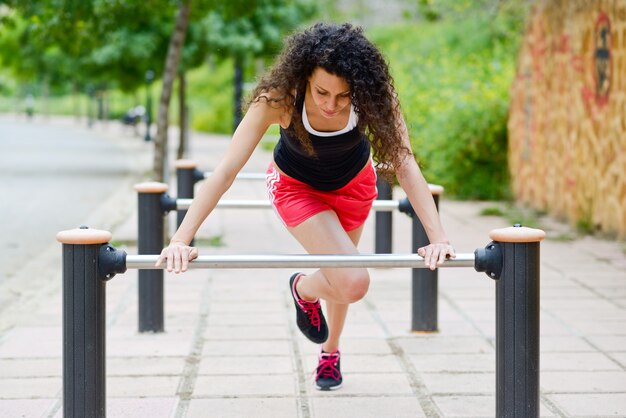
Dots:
pixel 416 188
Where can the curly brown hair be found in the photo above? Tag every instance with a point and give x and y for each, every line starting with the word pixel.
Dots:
pixel 344 51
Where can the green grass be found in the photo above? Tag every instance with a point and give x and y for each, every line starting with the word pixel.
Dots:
pixel 492 211
pixel 214 241
pixel 515 214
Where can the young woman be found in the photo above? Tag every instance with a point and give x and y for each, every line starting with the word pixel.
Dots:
pixel 331 93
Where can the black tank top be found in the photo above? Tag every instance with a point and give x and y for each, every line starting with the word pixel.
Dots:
pixel 337 160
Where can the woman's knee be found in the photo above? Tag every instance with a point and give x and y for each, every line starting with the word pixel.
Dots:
pixel 353 285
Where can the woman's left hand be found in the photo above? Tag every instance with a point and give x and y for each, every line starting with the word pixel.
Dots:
pixel 435 254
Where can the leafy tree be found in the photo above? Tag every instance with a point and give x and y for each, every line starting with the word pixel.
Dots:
pixel 254 29
pixel 171 68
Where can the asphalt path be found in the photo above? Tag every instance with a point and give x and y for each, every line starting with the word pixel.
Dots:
pixel 54 175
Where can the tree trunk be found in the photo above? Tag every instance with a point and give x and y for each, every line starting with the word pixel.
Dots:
pixel 238 80
pixel 169 74
pixel 182 113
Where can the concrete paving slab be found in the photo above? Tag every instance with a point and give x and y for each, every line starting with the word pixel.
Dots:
pixel 550 343
pixel 30 387
pixel 474 406
pixel 606 327
pixel 147 346
pixel 460 383
pixel 243 407
pixel 244 332
pixel 259 319
pixel 592 405
pixel 142 386
pixel 366 407
pixel 24 408
pixel 583 382
pixel 242 386
pixel 145 366
pixel 620 357
pixel 32 342
pixel 141 407
pixel 246 347
pixel 576 362
pixel 454 362
pixel 444 344
pixel 612 343
pixel 38 367
pixel 246 365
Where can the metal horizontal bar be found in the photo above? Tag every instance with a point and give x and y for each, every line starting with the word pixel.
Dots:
pixel 242 176
pixel 301 261
pixel 182 204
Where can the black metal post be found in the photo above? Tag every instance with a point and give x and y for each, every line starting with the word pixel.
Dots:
pixel 149 79
pixel 151 219
pixel 383 230
pixel 517 324
pixel 238 89
pixel 424 284
pixel 84 319
pixel 185 181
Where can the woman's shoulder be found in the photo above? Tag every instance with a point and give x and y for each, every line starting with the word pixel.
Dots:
pixel 275 103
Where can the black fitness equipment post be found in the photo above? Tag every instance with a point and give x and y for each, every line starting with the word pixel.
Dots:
pixel 511 259
pixel 187 175
pixel 383 225
pixel 424 282
pixel 150 238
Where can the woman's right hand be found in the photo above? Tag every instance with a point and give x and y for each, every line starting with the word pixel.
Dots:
pixel 177 256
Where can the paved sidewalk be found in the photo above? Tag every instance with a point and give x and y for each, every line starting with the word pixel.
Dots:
pixel 232 349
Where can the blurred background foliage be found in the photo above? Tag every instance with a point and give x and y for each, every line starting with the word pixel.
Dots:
pixel 452 60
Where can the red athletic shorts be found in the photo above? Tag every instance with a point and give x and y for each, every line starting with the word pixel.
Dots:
pixel 296 202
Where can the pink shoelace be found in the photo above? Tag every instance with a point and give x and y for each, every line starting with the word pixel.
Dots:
pixel 312 309
pixel 328 366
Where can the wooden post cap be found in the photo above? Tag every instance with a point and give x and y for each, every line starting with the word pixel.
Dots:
pixel 84 235
pixel 435 189
pixel 189 164
pixel 151 187
pixel 517 233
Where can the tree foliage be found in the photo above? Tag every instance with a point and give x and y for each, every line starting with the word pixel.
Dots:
pixel 100 41
pixel 253 28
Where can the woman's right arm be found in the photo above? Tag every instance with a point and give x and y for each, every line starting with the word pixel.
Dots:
pixel 259 117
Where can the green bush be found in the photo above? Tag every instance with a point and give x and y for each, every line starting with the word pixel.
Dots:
pixel 210 91
pixel 453 79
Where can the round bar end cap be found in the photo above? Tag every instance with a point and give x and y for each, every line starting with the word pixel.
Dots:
pixel 517 234
pixel 435 189
pixel 84 236
pixel 151 187
pixel 186 163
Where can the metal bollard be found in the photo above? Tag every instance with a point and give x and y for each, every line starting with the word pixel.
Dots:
pixel 424 282
pixel 151 218
pixel 383 228
pixel 517 322
pixel 84 311
pixel 187 175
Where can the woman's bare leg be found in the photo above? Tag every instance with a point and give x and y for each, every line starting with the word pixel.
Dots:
pixel 323 234
pixel 336 312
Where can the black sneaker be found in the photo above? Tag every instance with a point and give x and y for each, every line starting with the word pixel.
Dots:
pixel 328 375
pixel 309 316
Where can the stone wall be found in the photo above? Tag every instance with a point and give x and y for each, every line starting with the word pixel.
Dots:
pixel 567 124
